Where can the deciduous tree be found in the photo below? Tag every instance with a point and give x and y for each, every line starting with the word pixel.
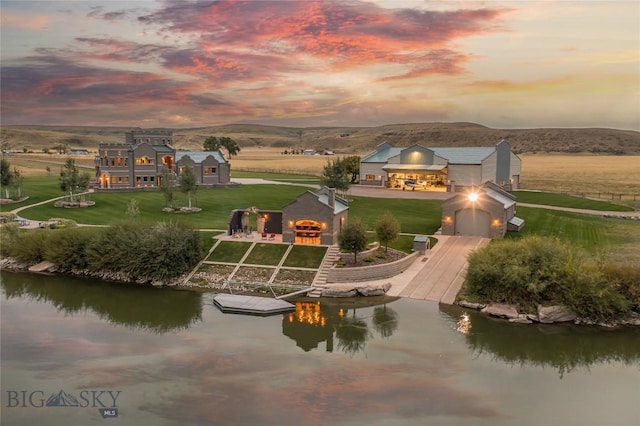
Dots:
pixel 387 229
pixel 71 180
pixel 353 238
pixel 5 176
pixel 334 175
pixel 188 183
pixel 352 166
pixel 211 143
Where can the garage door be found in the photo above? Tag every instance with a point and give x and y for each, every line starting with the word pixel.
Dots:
pixel 472 222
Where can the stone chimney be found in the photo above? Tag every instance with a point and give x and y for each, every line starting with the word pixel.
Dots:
pixel 332 197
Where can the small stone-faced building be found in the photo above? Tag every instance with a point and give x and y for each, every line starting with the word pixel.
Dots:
pixel 485 211
pixel 209 167
pixel 314 218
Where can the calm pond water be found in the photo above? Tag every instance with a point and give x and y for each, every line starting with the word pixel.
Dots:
pixel 77 352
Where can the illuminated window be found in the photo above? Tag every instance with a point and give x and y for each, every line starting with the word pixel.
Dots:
pixel 144 160
pixel 370 178
pixel 210 170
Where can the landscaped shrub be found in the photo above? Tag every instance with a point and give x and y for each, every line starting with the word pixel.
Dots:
pixel 67 249
pixel 156 251
pixel 536 270
pixel 627 280
pixel 29 247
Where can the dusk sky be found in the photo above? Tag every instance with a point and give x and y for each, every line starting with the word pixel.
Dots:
pixel 503 64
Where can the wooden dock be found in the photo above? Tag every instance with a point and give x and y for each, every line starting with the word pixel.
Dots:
pixel 251 305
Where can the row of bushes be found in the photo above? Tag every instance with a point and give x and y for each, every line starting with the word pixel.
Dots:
pixel 157 251
pixel 536 270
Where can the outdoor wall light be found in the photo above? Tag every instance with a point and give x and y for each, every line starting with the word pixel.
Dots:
pixel 447 219
pixel 473 197
pixel 290 224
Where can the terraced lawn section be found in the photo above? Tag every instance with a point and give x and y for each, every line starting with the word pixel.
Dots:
pixel 294 277
pixel 266 254
pixel 229 251
pixel 563 200
pixel 305 257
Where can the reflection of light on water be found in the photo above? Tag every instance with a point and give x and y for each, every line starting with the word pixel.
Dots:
pixel 308 313
pixel 464 324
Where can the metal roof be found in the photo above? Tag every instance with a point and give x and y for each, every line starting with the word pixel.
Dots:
pixel 453 155
pixel 382 155
pixel 200 156
pixel 516 221
pixel 425 167
pixel 338 206
pixel 506 201
pixel 464 155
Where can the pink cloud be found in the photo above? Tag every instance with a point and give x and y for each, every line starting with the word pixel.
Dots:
pixel 29 22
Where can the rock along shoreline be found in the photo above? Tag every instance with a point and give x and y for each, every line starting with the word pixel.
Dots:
pixel 545 315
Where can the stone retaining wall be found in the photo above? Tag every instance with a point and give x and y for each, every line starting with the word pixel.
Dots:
pixel 370 273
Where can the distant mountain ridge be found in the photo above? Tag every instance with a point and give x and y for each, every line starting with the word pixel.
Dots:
pixel 345 140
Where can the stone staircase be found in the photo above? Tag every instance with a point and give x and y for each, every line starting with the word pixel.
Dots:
pixel 320 281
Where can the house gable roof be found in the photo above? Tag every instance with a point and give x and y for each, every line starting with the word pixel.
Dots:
pixel 200 156
pixel 322 196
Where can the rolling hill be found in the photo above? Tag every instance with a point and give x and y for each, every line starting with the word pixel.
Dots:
pixel 344 140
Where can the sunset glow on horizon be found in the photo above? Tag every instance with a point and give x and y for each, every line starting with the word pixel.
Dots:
pixel 503 64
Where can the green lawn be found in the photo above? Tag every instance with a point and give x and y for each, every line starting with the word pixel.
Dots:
pixel 415 216
pixel 305 257
pixel 593 233
pixel 563 200
pixel 216 205
pixel 36 188
pixel 266 254
pixel 229 251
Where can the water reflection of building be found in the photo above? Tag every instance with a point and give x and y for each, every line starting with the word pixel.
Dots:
pixel 339 323
pixel 311 324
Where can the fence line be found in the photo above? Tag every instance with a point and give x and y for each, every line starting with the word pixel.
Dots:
pixel 614 196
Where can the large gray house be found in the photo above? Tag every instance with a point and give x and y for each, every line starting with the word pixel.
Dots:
pixel 440 169
pixel 141 161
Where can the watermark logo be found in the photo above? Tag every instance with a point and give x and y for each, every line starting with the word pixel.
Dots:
pixel 106 401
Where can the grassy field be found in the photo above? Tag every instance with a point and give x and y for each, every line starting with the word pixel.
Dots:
pixel 563 200
pixel 615 239
pixel 618 238
pixel 581 173
pixel 578 173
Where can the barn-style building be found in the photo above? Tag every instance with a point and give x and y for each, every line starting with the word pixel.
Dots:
pixel 448 169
